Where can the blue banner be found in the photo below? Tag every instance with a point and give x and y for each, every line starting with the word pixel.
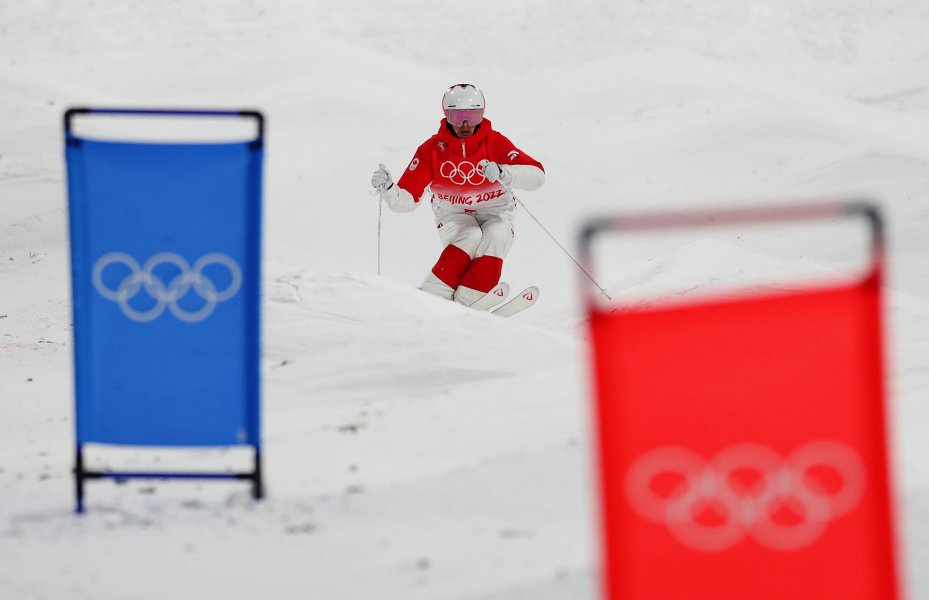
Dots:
pixel 165 251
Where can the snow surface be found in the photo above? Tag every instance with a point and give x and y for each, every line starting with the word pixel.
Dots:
pixel 415 449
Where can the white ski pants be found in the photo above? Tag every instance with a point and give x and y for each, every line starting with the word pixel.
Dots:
pixel 475 246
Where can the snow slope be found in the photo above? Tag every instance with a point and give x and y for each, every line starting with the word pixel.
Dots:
pixel 415 449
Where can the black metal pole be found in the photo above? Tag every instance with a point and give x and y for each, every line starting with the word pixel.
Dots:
pixel 79 480
pixel 257 483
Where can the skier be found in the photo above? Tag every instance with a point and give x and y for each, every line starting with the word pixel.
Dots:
pixel 470 169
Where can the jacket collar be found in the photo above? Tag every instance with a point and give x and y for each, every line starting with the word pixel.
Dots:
pixel 476 139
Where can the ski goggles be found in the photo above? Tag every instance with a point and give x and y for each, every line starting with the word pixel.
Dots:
pixel 457 117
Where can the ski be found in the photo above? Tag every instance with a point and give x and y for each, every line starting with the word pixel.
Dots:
pixel 524 300
pixel 492 298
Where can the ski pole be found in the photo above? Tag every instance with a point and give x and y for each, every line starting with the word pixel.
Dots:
pixel 380 209
pixel 554 239
pixel 379 191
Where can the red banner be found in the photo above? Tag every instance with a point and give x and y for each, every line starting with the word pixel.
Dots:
pixel 742 448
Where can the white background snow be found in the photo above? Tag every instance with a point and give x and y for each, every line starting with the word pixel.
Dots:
pixel 415 449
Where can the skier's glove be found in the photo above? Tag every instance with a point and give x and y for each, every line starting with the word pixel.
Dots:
pixel 381 180
pixel 494 172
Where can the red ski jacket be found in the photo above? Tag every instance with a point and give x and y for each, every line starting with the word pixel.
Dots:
pixel 448 166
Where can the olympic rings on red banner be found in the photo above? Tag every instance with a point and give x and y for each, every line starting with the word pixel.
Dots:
pixel 744 490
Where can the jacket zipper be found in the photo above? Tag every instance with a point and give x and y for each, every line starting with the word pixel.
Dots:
pixel 464 153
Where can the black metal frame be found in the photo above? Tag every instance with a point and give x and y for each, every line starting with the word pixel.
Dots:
pixel 735 216
pixel 81 474
pixel 71 113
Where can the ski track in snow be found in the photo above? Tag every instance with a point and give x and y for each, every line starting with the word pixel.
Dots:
pixel 415 448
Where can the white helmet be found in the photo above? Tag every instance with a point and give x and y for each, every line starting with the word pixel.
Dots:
pixel 462 96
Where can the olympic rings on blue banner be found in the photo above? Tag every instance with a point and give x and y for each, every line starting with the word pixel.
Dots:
pixel 167 295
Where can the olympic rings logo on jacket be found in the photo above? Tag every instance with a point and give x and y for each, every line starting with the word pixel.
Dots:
pixel 461 173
